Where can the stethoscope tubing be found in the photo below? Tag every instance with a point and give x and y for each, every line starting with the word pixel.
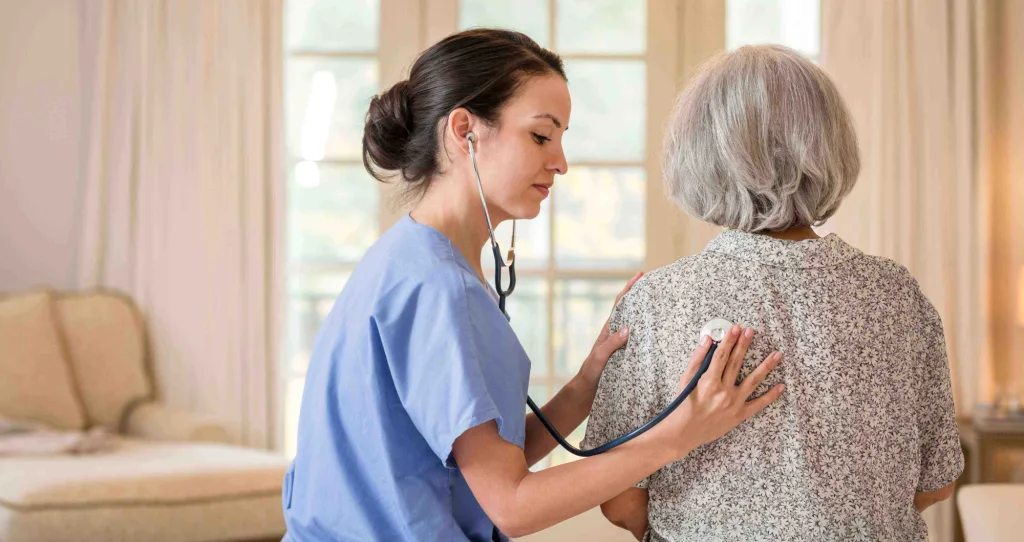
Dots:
pixel 634 433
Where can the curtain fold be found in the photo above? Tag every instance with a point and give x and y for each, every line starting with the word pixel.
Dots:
pixel 182 159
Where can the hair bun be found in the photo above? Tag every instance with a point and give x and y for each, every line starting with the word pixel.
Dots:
pixel 388 128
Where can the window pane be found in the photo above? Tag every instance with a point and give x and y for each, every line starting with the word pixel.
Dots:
pixel 539 393
pixel 311 297
pixel 292 405
pixel 581 308
pixel 794 23
pixel 531 17
pixel 599 222
pixel 333 25
pixel 612 26
pixel 327 100
pixel 528 311
pixel 533 239
pixel 609 101
pixel 332 213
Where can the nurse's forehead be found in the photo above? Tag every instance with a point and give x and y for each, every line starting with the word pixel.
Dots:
pixel 543 99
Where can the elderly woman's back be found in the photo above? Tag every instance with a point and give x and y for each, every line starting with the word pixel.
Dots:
pixel 867 419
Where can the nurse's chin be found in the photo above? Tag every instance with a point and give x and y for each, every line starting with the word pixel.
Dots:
pixel 527 210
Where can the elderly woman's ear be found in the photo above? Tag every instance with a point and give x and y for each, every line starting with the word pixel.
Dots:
pixel 761 141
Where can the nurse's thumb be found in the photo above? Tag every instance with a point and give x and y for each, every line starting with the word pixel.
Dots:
pixel 614 342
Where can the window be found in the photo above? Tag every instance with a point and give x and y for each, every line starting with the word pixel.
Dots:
pixel 331 72
pixel 793 23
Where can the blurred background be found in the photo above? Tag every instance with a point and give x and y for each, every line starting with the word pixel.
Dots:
pixel 203 158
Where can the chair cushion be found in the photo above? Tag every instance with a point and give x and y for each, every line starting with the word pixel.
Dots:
pixel 248 518
pixel 105 341
pixel 36 382
pixel 157 492
pixel 139 472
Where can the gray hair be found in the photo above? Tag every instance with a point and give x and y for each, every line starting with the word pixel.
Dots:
pixel 760 141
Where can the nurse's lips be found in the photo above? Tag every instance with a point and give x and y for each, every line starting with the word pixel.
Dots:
pixel 543 189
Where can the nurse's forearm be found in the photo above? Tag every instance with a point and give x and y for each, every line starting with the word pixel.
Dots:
pixel 566 410
pixel 553 495
pixel 521 502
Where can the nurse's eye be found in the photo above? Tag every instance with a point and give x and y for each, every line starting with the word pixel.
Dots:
pixel 540 139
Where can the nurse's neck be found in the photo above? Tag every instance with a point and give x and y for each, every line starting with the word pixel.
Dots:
pixel 450 208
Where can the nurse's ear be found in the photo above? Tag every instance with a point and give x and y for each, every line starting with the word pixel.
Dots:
pixel 460 124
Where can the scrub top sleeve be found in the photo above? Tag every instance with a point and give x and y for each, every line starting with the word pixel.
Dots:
pixel 942 458
pixel 625 396
pixel 435 359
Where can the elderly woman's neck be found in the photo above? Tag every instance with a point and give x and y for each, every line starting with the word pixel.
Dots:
pixel 794 234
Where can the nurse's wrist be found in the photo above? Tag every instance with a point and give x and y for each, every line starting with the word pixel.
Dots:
pixel 585 383
pixel 589 375
pixel 670 444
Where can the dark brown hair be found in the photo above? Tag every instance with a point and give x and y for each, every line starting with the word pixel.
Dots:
pixel 479 69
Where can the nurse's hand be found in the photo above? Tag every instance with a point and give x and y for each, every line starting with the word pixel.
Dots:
pixel 606 345
pixel 719 403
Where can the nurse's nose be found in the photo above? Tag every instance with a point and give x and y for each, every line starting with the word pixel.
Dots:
pixel 558 164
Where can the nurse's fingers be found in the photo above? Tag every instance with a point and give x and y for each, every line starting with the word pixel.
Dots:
pixel 759 404
pixel 696 359
pixel 732 369
pixel 613 342
pixel 724 351
pixel 758 375
pixel 629 285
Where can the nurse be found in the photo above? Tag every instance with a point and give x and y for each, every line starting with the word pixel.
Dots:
pixel 412 424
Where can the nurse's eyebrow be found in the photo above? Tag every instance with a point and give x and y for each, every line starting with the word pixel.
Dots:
pixel 553 118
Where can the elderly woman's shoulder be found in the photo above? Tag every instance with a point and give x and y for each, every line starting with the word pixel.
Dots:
pixel 894 280
pixel 890 269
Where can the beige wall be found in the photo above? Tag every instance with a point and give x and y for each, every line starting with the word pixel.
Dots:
pixel 40 114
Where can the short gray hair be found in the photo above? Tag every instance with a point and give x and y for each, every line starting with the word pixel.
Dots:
pixel 760 141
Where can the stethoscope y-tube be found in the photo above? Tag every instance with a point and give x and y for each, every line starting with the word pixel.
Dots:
pixel 498 262
pixel 715 329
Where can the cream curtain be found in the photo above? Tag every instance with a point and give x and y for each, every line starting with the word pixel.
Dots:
pixel 935 89
pixel 182 146
pixel 923 82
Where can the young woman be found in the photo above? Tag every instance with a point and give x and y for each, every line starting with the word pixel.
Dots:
pixel 412 424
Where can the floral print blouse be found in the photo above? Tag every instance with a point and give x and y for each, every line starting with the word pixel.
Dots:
pixel 866 420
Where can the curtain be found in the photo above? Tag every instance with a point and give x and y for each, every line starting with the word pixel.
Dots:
pixel 182 160
pixel 924 81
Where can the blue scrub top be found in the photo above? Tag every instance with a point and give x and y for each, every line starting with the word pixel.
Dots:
pixel 414 353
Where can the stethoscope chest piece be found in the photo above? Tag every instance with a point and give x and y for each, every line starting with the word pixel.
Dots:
pixel 716 329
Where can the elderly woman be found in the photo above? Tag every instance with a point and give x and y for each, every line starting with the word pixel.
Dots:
pixel 865 437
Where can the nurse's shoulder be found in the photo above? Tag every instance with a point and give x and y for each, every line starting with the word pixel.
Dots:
pixel 413 263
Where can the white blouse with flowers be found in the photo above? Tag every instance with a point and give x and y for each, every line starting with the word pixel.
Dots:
pixel 866 420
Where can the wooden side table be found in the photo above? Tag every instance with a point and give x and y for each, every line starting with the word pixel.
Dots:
pixel 981 439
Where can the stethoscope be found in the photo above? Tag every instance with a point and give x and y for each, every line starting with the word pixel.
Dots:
pixel 716 329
